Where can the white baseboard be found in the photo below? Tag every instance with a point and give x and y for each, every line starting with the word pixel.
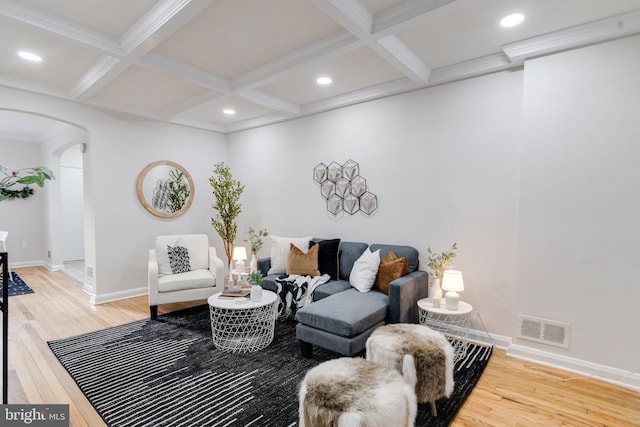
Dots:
pixel 605 373
pixel 116 296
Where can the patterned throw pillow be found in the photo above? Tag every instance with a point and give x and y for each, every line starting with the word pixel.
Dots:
pixel 178 259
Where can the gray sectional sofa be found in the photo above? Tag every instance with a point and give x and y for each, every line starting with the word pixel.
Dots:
pixel 341 318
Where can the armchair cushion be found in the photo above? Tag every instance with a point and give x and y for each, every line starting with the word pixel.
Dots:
pixel 190 280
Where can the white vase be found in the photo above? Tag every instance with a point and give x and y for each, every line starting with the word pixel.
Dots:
pixel 256 293
pixel 253 265
pixel 435 289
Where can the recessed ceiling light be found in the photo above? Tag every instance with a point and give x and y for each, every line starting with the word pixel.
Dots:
pixel 29 56
pixel 512 20
pixel 323 80
pixel 229 111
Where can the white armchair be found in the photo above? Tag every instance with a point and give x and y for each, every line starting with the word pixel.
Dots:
pixel 183 268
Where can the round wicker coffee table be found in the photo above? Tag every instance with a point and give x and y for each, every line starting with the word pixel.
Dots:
pixel 240 325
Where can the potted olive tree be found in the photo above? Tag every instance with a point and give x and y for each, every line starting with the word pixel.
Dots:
pixel 226 194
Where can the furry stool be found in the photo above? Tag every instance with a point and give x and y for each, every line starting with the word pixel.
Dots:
pixel 422 355
pixel 353 392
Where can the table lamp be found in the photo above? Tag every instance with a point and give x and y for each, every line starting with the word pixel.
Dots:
pixel 452 283
pixel 239 255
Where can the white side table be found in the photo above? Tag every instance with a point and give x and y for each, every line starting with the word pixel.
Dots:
pixel 240 325
pixel 453 324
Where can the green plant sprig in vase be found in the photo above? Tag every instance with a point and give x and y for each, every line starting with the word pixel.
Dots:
pixel 438 263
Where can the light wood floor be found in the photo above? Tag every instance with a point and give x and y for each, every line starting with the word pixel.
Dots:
pixel 510 393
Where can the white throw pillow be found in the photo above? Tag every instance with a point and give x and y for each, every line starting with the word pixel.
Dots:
pixel 280 251
pixel 364 271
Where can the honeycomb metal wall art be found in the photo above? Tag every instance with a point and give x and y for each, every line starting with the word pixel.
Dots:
pixel 344 189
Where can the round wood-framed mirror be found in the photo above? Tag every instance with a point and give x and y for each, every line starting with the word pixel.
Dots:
pixel 165 189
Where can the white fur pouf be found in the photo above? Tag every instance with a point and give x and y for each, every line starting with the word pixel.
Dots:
pixel 423 356
pixel 353 392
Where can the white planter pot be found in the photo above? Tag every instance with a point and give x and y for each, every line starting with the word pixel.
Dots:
pixel 435 289
pixel 256 293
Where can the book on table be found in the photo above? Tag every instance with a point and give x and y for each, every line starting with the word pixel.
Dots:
pixel 240 294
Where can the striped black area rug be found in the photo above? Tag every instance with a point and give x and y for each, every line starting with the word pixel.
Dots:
pixel 17 286
pixel 168 373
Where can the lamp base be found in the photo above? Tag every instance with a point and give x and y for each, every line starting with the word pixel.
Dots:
pixel 452 300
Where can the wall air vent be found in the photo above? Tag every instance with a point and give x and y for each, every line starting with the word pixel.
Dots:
pixel 543 331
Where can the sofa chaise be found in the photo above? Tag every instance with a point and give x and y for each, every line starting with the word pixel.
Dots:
pixel 341 318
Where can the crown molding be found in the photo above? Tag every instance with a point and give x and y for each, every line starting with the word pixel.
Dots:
pixel 358 96
pixel 28 86
pixel 581 35
pixel 474 67
pixel 257 122
pixel 119 108
pixel 198 124
pixel 61 27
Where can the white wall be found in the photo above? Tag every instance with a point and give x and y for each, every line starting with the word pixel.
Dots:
pixel 72 203
pixel 578 252
pixel 443 163
pixel 22 218
pixel 119 231
pixel 534 173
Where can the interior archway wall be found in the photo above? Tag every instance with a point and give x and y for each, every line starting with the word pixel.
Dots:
pixel 50 153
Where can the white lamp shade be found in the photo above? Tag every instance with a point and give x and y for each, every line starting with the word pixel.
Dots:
pixel 239 253
pixel 452 281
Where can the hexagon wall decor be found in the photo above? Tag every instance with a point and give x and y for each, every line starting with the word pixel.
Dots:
pixel 344 189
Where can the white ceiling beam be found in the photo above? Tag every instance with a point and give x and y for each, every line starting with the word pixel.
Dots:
pixel 160 22
pixel 581 35
pixel 186 72
pixel 164 19
pixel 103 66
pixel 270 102
pixel 60 27
pixel 356 19
pixel 402 58
pixel 350 14
pixel 331 46
pixel 402 15
pixel 192 103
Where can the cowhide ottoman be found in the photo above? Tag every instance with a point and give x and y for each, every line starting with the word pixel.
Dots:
pixel 423 356
pixel 353 392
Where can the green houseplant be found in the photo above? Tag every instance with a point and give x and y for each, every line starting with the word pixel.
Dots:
pixel 255 243
pixel 26 176
pixel 438 263
pixel 255 279
pixel 226 194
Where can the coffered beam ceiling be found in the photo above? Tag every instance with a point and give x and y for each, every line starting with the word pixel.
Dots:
pixel 359 30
